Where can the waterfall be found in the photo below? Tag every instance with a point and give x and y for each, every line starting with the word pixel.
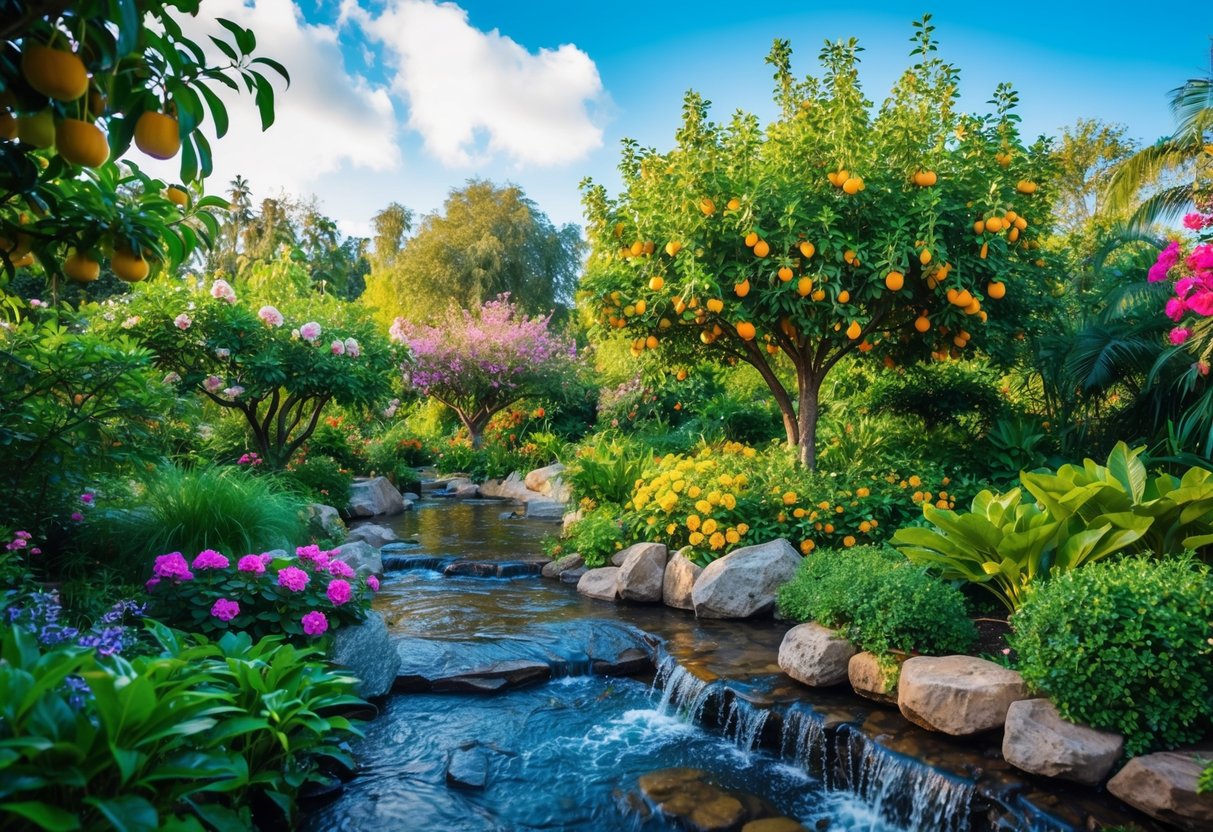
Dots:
pixel 743 723
pixel 681 690
pixel 803 740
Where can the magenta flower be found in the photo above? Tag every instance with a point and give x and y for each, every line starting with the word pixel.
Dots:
pixel 337 347
pixel 340 569
pixel 315 623
pixel 1197 221
pixel 310 331
pixel 35 551
pixel 1175 309
pixel 292 578
pixel 1201 303
pixel 182 321
pixel 225 610
pixel 173 567
pixel 251 563
pixel 1179 334
pixel 313 555
pixel 86 498
pixel 270 315
pixel 213 384
pixel 210 559
pixel 372 582
pixel 77 517
pixel 338 591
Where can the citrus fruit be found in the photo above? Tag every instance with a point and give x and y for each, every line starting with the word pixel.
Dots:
pixel 746 331
pixel 81 143
pixel 742 289
pixel 37 130
pixel 81 267
pixel 807 249
pixel 656 283
pixel 157 135
pixel 55 73
pixel 922 323
pixel 761 249
pixel 997 290
pixel 673 247
pixel 129 266
pixel 894 281
pixel 804 286
pixel 854 330
pixel 785 274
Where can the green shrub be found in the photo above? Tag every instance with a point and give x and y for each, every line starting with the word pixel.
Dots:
pixel 596 536
pixel 880 601
pixel 338 438
pixel 191 509
pixel 1126 646
pixel 322 479
pixel 605 468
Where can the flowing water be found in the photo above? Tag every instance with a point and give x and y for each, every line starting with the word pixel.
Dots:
pixel 568 753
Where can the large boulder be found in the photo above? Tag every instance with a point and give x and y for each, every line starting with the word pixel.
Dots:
pixel 873 677
pixel 538 480
pixel 815 655
pixel 361 556
pixel 601 583
pixel 511 488
pixel 743 583
pixel 573 576
pixel 366 650
pixel 541 509
pixel 553 569
pixel 372 534
pixel 570 519
pixel 325 521
pixel 958 695
pixel 1163 785
pixel 559 490
pixel 375 496
pixel 678 581
pixel 1039 741
pixel 642 572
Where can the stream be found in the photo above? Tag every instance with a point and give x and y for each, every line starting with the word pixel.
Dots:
pixel 696 717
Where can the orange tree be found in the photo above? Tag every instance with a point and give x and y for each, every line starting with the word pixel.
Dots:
pixel 79 83
pixel 901 232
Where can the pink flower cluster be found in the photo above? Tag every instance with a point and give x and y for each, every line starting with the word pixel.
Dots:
pixel 270 316
pixel 171 567
pixel 224 609
pixel 315 623
pixel 21 540
pixel 223 290
pixel 1193 283
pixel 254 564
pixel 210 559
pixel 251 458
pixel 293 578
pixel 183 321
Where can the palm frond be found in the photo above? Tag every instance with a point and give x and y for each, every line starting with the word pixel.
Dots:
pixel 1121 236
pixel 1192 108
pixel 1144 167
pixel 1101 356
pixel 1134 301
pixel 1163 207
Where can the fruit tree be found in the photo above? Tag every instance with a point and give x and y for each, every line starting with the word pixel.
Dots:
pixel 899 233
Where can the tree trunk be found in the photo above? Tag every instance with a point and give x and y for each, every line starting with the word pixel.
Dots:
pixel 810 387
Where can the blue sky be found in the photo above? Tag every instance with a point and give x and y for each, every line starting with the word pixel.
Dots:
pixel 404 99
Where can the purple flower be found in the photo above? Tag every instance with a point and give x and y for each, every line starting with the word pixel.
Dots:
pixel 337 347
pixel 310 331
pixel 292 578
pixel 172 566
pixel 270 315
pixel 77 517
pixel 225 610
pixel 19 543
pixel 86 498
pixel 313 555
pixel 251 563
pixel 210 559
pixel 182 321
pixel 372 582
pixel 212 384
pixel 35 551
pixel 338 591
pixel 315 623
pixel 340 569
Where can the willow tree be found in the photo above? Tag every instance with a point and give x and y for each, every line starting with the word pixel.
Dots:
pixel 900 232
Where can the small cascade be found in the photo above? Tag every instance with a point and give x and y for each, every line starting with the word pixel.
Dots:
pixel 743 722
pixel 397 563
pixel 803 740
pixel 681 690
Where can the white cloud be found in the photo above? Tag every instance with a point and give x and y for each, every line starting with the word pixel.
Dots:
pixel 474 95
pixel 328 120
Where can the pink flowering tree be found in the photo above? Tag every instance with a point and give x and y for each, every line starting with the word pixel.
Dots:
pixel 278 367
pixel 480 362
pixel 1188 266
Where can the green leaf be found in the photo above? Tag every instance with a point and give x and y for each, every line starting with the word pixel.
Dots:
pixel 50 818
pixel 127 813
pixel 1125 466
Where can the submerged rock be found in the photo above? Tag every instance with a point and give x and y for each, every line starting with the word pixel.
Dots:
pixel 743 583
pixel 815 655
pixel 556 568
pixel 503 675
pixel 678 581
pixel 1163 785
pixel 685 796
pixel 468 767
pixel 544 509
pixel 366 650
pixel 1039 741
pixel 774 825
pixel 373 497
pixel 362 557
pixel 958 695
pixel 642 572
pixel 601 583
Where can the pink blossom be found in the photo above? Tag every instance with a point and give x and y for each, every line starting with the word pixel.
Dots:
pixel 251 563
pixel 131 322
pixel 210 559
pixel 338 591
pixel 35 551
pixel 212 384
pixel 225 610
pixel 36 303
pixel 170 378
pixel 341 569
pixel 292 578
pixel 337 347
pixel 352 348
pixel 182 321
pixel 86 498
pixel 172 566
pixel 1201 367
pixel 1175 309
pixel 372 582
pixel 1201 257
pixel 315 623
pixel 233 392
pixel 310 331
pixel 223 289
pixel 1197 221
pixel 270 315
pixel 1201 303
pixel 19 543
pixel 1179 334
pixel 313 554
pixel 77 517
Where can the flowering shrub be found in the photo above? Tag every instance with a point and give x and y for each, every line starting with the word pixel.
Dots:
pixel 1189 267
pixel 478 363
pixel 304 595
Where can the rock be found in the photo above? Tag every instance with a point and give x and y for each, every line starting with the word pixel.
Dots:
pixel 510 488
pixel 361 556
pixel 540 509
pixel 624 663
pixel 411 497
pixel 619 557
pixel 557 489
pixel 642 572
pixel 372 535
pixel 815 655
pixel 958 695
pixel 1163 785
pixel 503 675
pixel 520 568
pixel 537 480
pixel 602 583
pixel 873 677
pixel 683 795
pixel 473 568
pixel 375 496
pixel 556 567
pixel 573 576
pixel 325 521
pixel 679 580
pixel 468 768
pixel 774 825
pixel 366 650
pixel 569 519
pixel 452 484
pixel 1039 741
pixel 743 583
pixel 470 491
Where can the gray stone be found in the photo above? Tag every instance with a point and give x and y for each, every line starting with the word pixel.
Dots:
pixel 619 557
pixel 366 650
pixel 557 489
pixel 873 677
pixel 468 767
pixel 511 488
pixel 815 655
pixel 958 695
pixel 1039 741
pixel 453 484
pixel 373 497
pixel 498 676
pixel 679 580
pixel 538 480
pixel 325 521
pixel 625 663
pixel 541 509
pixel 743 583
pixel 573 576
pixel 554 568
pixel 602 583
pixel 372 534
pixel 1163 785
pixel 361 556
pixel 411 497
pixel 569 519
pixel 469 491
pixel 642 572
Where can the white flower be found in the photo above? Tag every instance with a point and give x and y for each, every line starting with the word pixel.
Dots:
pixel 130 322
pixel 270 315
pixel 233 392
pixel 352 349
pixel 222 353
pixel 183 321
pixel 310 331
pixel 223 289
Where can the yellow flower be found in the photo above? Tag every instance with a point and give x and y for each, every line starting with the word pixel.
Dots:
pixel 678 485
pixel 729 501
pixel 807 546
pixel 714 498
pixel 703 507
pixel 652 521
pixel 693 522
pixel 915 481
pixel 829 528
pixel 903 483
pixel 749 453
pixel 941 504
pixel 725 480
pixel 865 527
pixel 824 505
pixel 848 541
pixel 799 512
pixel 742 528
pixel 693 492
pixel 862 492
pixel 782 518
pixel 709 526
pixel 813 515
pixel 716 541
pixel 947 480
pixel 695 539
pixel 838 509
pixel 732 536
pixel 789 498
pixel 740 480
pixel 670 529
pixel 917 497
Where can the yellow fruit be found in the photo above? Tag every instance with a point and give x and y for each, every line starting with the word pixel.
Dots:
pixel 925 257
pixel 894 281
pixel 1013 235
pixel 960 342
pixel 733 204
pixel 742 289
pixel 656 283
pixel 641 306
pixel 707 206
pixel 673 247
pixel 636 249
pixel 979 227
pixel 8 125
pixel 973 308
pixel 55 73
pixel 922 323
pixel 81 143
pixel 715 305
pixel 619 229
pixel 925 178
pixel 648 247
pixel 761 248
pixel 994 225
pixel 854 330
pixel 820 294
pixel 665 323
pixel 951 295
pixel 844 296
pixel 997 290
pixel 81 267
pixel 985 250
pixel 680 306
pixel 852 186
pixel 804 287
pixel 751 239
pixel 1003 159
pixel 651 342
pixel 707 337
pixel 177 196
pixel 785 274
pixel 129 266
pixel 1025 186
pixel 963 298
pixel 746 331
pixel 158 135
pixel 807 249
pixel 37 130
pixel 681 375
pixel 1021 223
